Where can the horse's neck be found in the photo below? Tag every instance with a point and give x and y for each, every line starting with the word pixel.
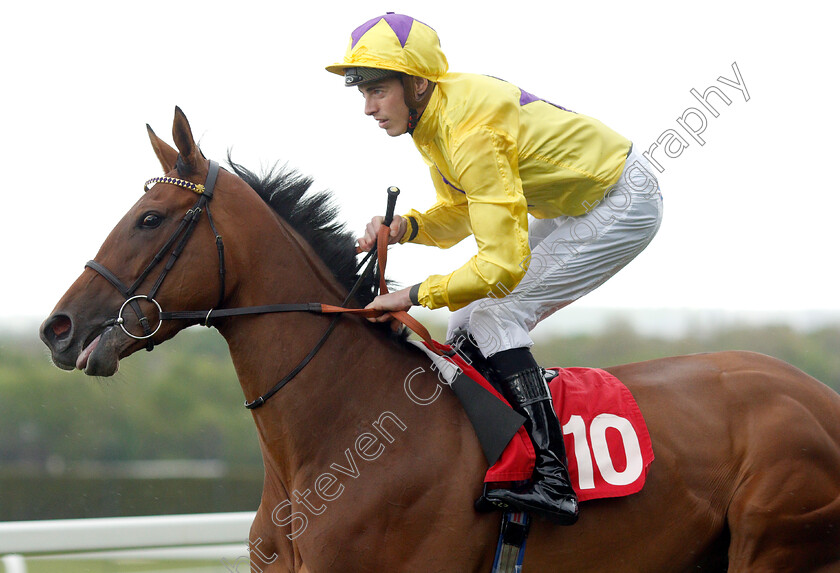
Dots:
pixel 337 391
pixel 348 385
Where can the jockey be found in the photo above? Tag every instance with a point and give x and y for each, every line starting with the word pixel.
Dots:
pixel 557 202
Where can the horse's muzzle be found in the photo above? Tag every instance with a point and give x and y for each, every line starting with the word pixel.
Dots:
pixel 57 333
pixel 93 347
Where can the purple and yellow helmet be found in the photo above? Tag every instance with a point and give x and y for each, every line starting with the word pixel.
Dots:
pixel 388 44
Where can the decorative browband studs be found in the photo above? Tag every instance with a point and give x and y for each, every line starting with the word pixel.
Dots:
pixel 194 187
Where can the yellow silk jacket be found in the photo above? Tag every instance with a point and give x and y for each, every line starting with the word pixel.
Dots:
pixel 497 153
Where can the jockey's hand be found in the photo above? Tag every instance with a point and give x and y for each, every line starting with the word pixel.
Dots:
pixel 398 300
pixel 398 227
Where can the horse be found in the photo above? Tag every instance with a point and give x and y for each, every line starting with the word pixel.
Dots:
pixel 370 463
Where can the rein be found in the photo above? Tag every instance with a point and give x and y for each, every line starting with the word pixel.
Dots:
pixel 204 317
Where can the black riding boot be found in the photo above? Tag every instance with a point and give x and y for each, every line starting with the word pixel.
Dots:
pixel 464 343
pixel 550 492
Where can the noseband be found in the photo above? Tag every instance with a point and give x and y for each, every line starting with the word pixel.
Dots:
pixel 179 240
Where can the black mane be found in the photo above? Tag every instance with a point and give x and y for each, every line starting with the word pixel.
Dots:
pixel 314 216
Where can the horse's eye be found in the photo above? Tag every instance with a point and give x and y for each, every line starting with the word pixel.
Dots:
pixel 151 221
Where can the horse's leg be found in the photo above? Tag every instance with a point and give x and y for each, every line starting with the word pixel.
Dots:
pixel 781 522
pixel 785 515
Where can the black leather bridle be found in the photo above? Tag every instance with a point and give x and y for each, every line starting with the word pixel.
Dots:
pixel 178 240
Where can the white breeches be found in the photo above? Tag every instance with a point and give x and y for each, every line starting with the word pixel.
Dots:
pixel 570 257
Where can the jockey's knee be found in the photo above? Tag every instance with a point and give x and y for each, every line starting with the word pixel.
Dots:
pixel 495 327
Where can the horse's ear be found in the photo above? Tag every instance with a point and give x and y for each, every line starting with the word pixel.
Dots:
pixel 165 153
pixel 182 134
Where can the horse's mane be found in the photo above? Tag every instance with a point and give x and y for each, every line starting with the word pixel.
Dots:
pixel 314 216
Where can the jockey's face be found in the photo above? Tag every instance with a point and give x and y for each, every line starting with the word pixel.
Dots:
pixel 385 102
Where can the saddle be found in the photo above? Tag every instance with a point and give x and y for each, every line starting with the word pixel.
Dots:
pixel 607 441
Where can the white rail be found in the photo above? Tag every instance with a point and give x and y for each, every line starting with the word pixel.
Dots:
pixel 198 536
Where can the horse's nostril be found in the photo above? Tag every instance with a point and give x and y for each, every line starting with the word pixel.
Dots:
pixel 60 326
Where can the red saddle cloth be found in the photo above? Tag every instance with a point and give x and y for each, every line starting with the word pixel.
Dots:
pixel 607 442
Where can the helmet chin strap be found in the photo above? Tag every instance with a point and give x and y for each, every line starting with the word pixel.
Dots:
pixel 413 118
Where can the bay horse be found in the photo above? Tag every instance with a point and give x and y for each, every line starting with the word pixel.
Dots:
pixel 370 466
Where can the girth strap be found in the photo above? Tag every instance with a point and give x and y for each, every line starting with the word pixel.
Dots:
pixel 510 551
